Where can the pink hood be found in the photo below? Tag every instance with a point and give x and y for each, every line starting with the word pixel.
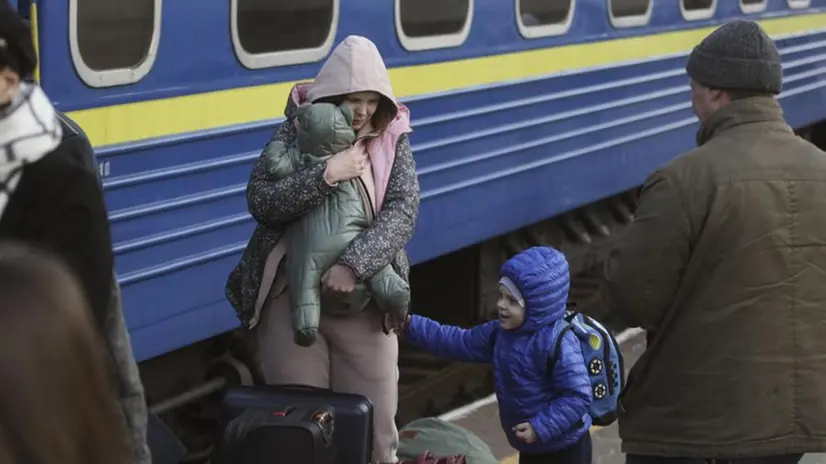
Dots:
pixel 357 66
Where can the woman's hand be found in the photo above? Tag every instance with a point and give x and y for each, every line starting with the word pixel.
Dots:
pixel 345 165
pixel 338 281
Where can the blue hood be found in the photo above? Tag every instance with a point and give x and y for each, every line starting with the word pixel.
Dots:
pixel 541 275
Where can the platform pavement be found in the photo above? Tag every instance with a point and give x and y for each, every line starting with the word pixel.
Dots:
pixel 607 450
pixel 483 419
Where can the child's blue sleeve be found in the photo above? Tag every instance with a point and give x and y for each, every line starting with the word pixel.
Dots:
pixel 570 379
pixel 451 342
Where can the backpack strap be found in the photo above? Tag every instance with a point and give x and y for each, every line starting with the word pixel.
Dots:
pixel 570 314
pixel 557 345
pixel 552 359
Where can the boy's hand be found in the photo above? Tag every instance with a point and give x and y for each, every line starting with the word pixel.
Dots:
pixel 395 322
pixel 525 432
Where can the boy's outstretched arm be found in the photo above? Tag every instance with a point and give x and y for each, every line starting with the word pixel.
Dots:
pixel 570 378
pixel 451 342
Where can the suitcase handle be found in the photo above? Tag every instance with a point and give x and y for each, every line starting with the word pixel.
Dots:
pixel 297 386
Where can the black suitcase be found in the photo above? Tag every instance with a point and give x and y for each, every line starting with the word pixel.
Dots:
pixel 353 435
pixel 286 434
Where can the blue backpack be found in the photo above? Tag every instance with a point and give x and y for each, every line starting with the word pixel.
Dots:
pixel 603 360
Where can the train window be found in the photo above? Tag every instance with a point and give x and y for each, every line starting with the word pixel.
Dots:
pixel 269 33
pixel 800 3
pixel 752 6
pixel 429 24
pixel 629 13
pixel 113 43
pixel 693 10
pixel 542 18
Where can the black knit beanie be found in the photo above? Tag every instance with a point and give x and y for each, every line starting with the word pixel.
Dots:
pixel 16 43
pixel 737 56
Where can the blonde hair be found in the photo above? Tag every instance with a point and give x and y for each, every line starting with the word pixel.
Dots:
pixel 56 401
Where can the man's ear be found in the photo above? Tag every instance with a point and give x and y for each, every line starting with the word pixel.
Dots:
pixel 718 95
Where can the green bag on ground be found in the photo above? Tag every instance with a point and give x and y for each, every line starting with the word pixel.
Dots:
pixel 442 439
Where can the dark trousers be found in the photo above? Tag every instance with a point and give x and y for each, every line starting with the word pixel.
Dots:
pixel 578 453
pixel 784 459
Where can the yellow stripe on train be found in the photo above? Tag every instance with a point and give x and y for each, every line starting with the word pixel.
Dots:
pixel 143 120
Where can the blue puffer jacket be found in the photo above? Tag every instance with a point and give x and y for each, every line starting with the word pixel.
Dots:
pixel 555 402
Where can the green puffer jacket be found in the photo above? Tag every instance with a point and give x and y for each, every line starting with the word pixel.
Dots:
pixel 315 240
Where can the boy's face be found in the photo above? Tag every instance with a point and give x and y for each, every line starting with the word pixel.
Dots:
pixel 511 314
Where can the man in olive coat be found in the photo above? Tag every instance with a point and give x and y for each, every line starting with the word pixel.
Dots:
pixel 725 266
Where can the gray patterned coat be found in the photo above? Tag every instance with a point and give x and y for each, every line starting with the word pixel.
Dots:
pixel 121 360
pixel 275 204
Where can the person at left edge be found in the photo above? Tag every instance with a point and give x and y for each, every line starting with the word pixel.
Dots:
pixel 49 197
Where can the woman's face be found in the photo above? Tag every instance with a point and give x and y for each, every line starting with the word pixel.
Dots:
pixel 363 104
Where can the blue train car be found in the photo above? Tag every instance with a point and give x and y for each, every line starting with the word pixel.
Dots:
pixel 522 110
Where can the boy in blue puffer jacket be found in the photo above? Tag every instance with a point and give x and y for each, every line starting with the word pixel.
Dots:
pixel 543 405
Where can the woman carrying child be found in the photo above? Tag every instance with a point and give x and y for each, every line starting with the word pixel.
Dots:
pixel 357 353
pixel 543 399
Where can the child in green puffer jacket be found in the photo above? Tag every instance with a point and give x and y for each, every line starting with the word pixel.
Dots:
pixel 316 240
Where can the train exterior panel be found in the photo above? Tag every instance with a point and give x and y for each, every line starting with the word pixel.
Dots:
pixel 521 110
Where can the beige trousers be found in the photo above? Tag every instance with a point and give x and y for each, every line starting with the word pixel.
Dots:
pixel 352 355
